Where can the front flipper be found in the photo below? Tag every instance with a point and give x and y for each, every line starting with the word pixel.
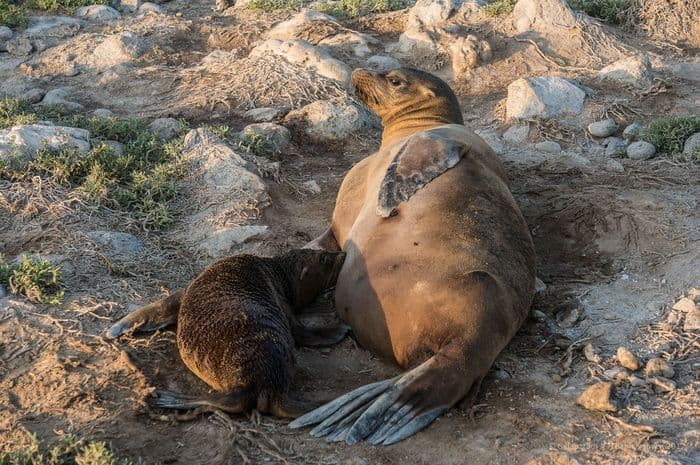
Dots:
pixel 419 160
pixel 150 317
pixel 389 411
pixel 325 241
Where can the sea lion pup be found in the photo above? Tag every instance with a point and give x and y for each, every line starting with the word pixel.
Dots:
pixel 440 266
pixel 236 328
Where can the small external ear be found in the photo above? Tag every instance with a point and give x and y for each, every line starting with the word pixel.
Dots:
pixel 428 93
pixel 303 273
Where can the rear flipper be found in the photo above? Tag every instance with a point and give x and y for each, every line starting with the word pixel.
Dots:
pixel 238 401
pixel 389 411
pixel 150 317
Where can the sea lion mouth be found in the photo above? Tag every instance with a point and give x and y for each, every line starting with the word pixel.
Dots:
pixel 362 82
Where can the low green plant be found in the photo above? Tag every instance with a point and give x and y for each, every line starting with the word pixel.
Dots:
pixel 14 111
pixel 610 11
pixel 14 13
pixel 274 5
pixel 25 449
pixel 499 7
pixel 143 179
pixel 669 134
pixel 354 8
pixel 36 279
pixel 255 144
pixel 11 14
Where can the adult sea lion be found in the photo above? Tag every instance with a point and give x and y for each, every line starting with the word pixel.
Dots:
pixel 236 328
pixel 440 266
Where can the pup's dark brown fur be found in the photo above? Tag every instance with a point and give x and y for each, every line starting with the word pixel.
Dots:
pixel 236 328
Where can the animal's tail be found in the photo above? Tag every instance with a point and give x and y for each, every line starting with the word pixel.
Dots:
pixel 150 317
pixel 389 411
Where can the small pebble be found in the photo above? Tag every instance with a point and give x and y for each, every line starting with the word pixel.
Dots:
pixel 627 359
pixel 597 397
pixel 662 385
pixel 640 150
pixel 673 318
pixel 615 147
pixel 5 33
pixel 632 131
pixel 103 113
pixel 684 305
pixel 617 374
pixel 692 321
pixel 568 317
pixel 539 316
pixel 312 186
pixel 694 294
pixel 658 367
pixel 604 128
pixel 3 292
pixel 540 286
pixel 636 381
pixel 591 353
pixel 556 378
pixel 548 146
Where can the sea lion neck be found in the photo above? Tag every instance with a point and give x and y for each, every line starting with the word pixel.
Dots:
pixel 417 116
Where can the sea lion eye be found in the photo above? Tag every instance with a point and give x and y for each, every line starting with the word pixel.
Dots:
pixel 394 82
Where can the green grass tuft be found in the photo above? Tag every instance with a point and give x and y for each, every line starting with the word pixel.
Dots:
pixel 142 180
pixel 13 13
pixel 499 7
pixel 669 134
pixel 36 279
pixel 14 111
pixel 25 449
pixel 354 8
pixel 255 144
pixel 610 11
pixel 274 5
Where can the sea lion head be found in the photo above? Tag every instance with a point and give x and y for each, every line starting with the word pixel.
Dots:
pixel 314 271
pixel 407 96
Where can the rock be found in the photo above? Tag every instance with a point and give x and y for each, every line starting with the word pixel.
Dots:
pixel 20 46
pixel 614 166
pixel 660 461
pixel 118 49
pixel 627 359
pixel 692 145
pixel 5 33
pixel 591 353
pixel 34 95
pixel 349 43
pixel 568 317
pixel 149 7
pixel 604 128
pixel 616 374
pixel 417 44
pixel 382 63
pixel 658 367
pixel 129 6
pixel 3 292
pixel 491 137
pixel 517 134
pixel 305 54
pixel 60 98
pixel 694 295
pixel 312 186
pixel 547 96
pixel 632 71
pixel 29 138
pixel 615 147
pixel 430 12
pixel 299 23
pixel 98 13
pixel 662 385
pixel 276 137
pixel 331 120
pixel 540 286
pixel 165 128
pixel 467 53
pixel 548 146
pixel 121 243
pixel 640 150
pixel 597 397
pixel 221 57
pixel 632 131
pixel 57 27
pixel 684 305
pixel 263 115
pixel 227 192
pixel 636 381
pixel 116 147
pixel 103 113
pixel 692 321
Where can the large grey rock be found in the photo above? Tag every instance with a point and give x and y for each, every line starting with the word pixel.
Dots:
pixel 25 140
pixel 331 120
pixel 640 150
pixel 19 46
pixel 102 13
pixel 276 137
pixel 61 99
pixel 431 12
pixel 692 145
pixel 292 28
pixel 228 193
pixel 5 33
pixel 633 71
pixel 165 128
pixel 34 95
pixel 103 113
pixel 305 54
pixel 548 146
pixel 632 131
pixel 120 242
pixel 604 128
pixel 149 7
pixel 546 96
pixel 129 6
pixel 263 115
pixel 118 49
pixel 57 27
pixel 517 134
pixel 615 147
pixel 382 63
